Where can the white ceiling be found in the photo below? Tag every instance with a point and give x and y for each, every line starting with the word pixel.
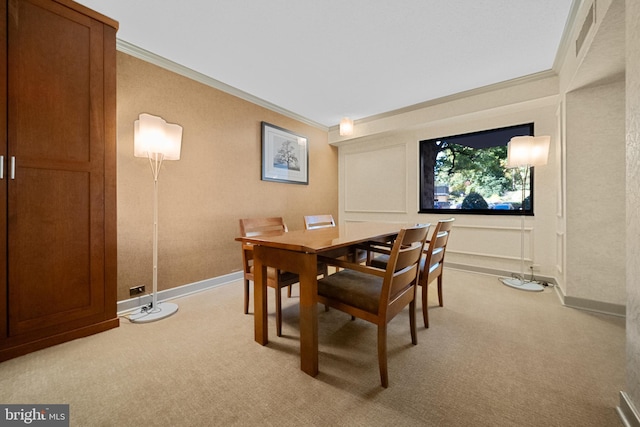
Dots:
pixel 325 59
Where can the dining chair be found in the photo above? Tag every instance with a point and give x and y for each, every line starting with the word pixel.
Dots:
pixel 311 222
pixel 378 295
pixel 431 266
pixel 277 279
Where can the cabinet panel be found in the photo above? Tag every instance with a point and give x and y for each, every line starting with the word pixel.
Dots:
pixel 55 261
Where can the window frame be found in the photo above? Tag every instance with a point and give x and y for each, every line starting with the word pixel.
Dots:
pixel 502 212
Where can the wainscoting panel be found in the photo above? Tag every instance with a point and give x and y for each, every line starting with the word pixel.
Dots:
pixel 376 181
pixel 490 241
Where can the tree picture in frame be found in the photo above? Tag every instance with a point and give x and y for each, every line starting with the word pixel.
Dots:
pixel 285 155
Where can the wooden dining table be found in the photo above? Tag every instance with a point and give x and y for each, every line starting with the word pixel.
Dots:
pixel 297 252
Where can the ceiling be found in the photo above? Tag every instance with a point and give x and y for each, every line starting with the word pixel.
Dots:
pixel 325 59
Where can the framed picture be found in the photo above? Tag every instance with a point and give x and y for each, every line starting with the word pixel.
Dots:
pixel 285 156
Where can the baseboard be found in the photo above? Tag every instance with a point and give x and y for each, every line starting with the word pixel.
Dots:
pixel 591 305
pixel 572 302
pixel 131 304
pixel 628 413
pixel 493 271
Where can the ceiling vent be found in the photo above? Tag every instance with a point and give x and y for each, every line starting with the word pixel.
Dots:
pixel 586 27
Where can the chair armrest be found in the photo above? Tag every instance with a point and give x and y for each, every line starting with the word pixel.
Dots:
pixel 352 266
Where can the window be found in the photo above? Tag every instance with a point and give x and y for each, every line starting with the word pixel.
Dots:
pixel 467 174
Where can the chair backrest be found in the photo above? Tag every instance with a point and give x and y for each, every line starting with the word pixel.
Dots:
pixel 250 227
pixel 434 260
pixel 318 221
pixel 401 275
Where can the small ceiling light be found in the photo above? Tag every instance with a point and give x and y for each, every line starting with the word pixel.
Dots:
pixel 346 126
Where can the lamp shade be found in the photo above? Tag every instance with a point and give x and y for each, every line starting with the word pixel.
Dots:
pixel 346 126
pixel 153 134
pixel 528 151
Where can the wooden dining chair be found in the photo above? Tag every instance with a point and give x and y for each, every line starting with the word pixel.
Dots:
pixel 377 295
pixel 276 279
pixel 432 264
pixel 311 222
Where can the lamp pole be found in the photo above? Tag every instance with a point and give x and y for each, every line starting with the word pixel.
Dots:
pixel 155 161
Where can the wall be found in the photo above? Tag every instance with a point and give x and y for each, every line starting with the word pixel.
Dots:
pixel 633 201
pixel 216 181
pixel 586 162
pixel 592 88
pixel 479 241
pixel 595 187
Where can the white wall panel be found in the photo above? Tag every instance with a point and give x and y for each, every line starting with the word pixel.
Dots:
pixel 376 181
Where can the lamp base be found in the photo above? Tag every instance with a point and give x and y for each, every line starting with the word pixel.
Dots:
pixel 162 310
pixel 523 285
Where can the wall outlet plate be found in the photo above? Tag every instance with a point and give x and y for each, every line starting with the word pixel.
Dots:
pixel 136 290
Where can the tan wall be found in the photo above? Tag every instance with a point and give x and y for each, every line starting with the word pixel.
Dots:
pixel 216 181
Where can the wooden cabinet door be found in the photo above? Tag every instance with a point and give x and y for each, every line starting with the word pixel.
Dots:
pixel 56 200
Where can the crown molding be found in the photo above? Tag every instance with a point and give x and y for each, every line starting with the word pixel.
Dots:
pixel 566 40
pixel 457 96
pixel 145 55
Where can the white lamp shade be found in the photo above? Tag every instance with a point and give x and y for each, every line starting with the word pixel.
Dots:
pixel 346 127
pixel 154 135
pixel 528 151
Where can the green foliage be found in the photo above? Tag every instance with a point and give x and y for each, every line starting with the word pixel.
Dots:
pixel 474 201
pixel 468 170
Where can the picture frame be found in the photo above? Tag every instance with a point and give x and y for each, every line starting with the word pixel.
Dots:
pixel 285 155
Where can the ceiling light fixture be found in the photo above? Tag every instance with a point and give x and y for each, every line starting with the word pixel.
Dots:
pixel 346 126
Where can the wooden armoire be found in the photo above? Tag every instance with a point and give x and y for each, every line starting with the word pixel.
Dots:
pixel 57 174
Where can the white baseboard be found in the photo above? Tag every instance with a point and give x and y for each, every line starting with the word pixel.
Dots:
pixel 568 301
pixel 591 305
pixel 131 304
pixel 628 413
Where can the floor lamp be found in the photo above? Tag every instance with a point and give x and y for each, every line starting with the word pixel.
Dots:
pixel 156 140
pixel 525 152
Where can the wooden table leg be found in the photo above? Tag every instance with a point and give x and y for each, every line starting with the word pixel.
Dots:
pixel 260 298
pixel 306 265
pixel 308 314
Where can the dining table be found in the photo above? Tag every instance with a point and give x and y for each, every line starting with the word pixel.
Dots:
pixel 297 252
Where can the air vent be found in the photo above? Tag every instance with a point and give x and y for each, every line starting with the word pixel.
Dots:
pixel 586 26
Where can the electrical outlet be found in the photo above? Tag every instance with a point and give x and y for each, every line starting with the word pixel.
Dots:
pixel 535 267
pixel 136 290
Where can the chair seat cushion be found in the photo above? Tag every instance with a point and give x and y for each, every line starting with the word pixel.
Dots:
pixel 380 261
pixel 353 288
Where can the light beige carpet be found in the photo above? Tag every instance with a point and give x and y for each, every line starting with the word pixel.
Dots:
pixel 493 356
